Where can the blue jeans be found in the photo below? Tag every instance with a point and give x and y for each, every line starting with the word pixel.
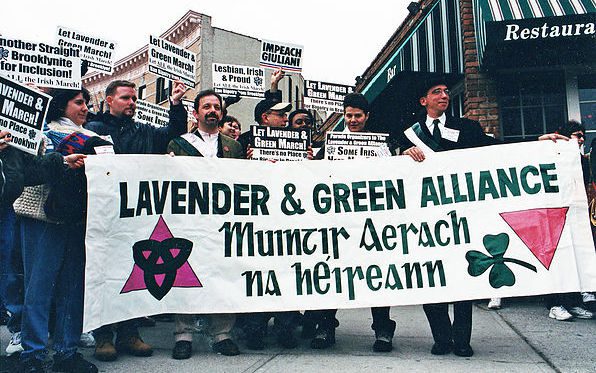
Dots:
pixel 54 261
pixel 11 268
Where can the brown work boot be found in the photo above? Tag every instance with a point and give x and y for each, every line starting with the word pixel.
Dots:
pixel 133 345
pixel 104 350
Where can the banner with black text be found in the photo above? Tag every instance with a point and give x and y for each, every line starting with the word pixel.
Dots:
pixel 198 235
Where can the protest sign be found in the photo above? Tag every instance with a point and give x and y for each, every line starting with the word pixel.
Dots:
pixel 202 235
pixel 99 52
pixel 248 81
pixel 40 64
pixel 190 107
pixel 155 115
pixel 23 111
pixel 275 54
pixel 279 143
pixel 172 61
pixel 325 96
pixel 350 145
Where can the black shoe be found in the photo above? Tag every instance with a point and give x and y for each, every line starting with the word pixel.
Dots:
pixel 74 364
pixel 384 336
pixel 308 329
pixel 324 338
pixel 255 342
pixel 463 351
pixel 441 348
pixel 226 347
pixel 382 345
pixel 182 350
pixel 33 366
pixel 286 339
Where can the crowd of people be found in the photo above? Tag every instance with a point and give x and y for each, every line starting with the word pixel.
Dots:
pixel 43 212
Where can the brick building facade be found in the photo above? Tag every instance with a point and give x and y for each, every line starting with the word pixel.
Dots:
pixel 519 67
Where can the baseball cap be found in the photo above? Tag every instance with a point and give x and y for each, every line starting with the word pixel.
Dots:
pixel 266 105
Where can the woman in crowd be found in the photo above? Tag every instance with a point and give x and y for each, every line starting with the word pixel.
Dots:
pixel 566 306
pixel 53 244
pixel 230 126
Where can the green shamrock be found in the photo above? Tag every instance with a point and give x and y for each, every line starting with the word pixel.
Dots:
pixel 500 275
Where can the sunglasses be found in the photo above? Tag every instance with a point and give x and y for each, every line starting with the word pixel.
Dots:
pixel 308 122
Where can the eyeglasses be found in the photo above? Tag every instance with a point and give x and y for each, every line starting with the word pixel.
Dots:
pixel 278 113
pixel 579 135
pixel 307 122
pixel 438 91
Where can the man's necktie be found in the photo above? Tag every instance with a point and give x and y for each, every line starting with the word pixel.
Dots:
pixel 436 130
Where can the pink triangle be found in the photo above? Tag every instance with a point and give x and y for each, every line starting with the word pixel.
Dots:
pixel 161 231
pixel 159 260
pixel 146 254
pixel 539 229
pixel 159 279
pixel 135 281
pixel 186 277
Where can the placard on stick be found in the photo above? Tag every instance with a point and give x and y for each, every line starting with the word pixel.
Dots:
pixel 279 143
pixel 41 64
pixel 22 113
pixel 350 145
pixel 171 61
pixel 97 51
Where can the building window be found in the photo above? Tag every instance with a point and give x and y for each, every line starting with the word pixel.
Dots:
pixel 587 106
pixel 162 90
pixel 141 93
pixel 531 104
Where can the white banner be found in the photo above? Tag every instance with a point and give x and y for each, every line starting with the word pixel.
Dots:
pixel 275 54
pixel 155 115
pixel 248 81
pixel 22 113
pixel 99 52
pixel 41 64
pixel 198 235
pixel 172 61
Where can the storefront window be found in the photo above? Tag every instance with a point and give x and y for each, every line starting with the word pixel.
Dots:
pixel 531 104
pixel 587 106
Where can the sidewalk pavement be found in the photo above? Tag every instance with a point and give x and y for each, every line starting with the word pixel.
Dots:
pixel 518 338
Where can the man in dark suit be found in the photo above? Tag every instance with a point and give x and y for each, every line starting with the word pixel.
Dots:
pixel 436 131
pixel 206 141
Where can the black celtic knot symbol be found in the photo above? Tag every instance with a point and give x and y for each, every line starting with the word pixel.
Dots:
pixel 153 267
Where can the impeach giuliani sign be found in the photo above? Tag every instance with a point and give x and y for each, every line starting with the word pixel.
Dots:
pixel 197 235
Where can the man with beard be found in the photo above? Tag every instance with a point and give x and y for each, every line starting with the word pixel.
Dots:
pixel 129 137
pixel 206 141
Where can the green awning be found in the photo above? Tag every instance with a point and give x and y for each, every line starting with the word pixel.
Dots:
pixel 433 44
pixel 510 10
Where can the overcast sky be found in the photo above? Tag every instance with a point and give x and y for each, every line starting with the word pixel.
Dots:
pixel 340 38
